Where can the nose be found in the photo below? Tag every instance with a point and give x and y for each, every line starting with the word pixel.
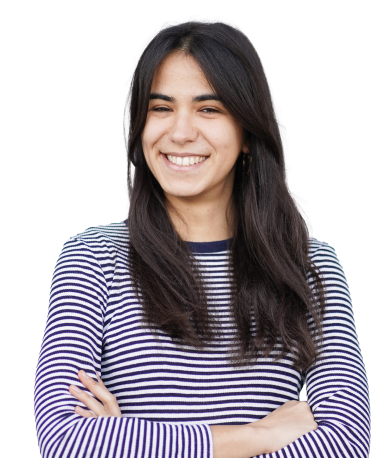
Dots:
pixel 183 129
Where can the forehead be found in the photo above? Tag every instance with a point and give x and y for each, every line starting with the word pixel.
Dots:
pixel 180 73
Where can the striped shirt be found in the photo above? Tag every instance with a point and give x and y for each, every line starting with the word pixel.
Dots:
pixel 168 394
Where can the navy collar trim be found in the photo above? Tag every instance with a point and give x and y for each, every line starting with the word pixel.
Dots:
pixel 210 247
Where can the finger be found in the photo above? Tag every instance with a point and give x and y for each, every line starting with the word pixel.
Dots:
pixel 99 379
pixel 95 387
pixel 102 393
pixel 90 402
pixel 84 413
pixel 113 408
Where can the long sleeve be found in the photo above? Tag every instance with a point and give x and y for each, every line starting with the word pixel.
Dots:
pixel 73 340
pixel 170 396
pixel 337 388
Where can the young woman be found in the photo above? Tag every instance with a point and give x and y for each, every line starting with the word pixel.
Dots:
pixel 189 329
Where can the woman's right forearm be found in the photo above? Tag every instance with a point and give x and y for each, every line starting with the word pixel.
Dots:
pixel 237 441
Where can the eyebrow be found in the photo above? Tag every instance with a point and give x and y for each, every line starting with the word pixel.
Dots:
pixel 197 98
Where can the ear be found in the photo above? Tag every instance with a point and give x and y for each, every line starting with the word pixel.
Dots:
pixel 246 143
pixel 245 148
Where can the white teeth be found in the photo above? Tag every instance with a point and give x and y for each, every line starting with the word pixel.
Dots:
pixel 185 161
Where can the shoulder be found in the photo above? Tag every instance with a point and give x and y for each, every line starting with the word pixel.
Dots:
pixel 324 258
pixel 101 246
pixel 97 252
pixel 320 250
pixel 108 237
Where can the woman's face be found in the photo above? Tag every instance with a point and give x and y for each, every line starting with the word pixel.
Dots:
pixel 190 140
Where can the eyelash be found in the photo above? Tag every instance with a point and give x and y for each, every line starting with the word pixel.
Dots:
pixel 205 110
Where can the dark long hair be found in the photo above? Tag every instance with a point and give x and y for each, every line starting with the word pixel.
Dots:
pixel 275 284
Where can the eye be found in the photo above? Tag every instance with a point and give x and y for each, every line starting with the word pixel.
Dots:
pixel 210 110
pixel 160 109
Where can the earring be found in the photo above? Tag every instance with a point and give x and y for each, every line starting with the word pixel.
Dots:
pixel 249 160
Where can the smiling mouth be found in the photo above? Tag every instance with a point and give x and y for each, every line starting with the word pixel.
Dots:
pixel 185 161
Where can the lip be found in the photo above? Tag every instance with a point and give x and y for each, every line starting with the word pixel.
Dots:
pixel 179 168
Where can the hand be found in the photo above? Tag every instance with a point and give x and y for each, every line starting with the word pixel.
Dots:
pixel 108 407
pixel 285 424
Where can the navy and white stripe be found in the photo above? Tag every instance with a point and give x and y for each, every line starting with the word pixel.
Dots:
pixel 169 395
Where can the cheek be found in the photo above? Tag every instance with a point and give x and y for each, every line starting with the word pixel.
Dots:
pixel 226 140
pixel 152 132
pixel 215 136
pixel 231 142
